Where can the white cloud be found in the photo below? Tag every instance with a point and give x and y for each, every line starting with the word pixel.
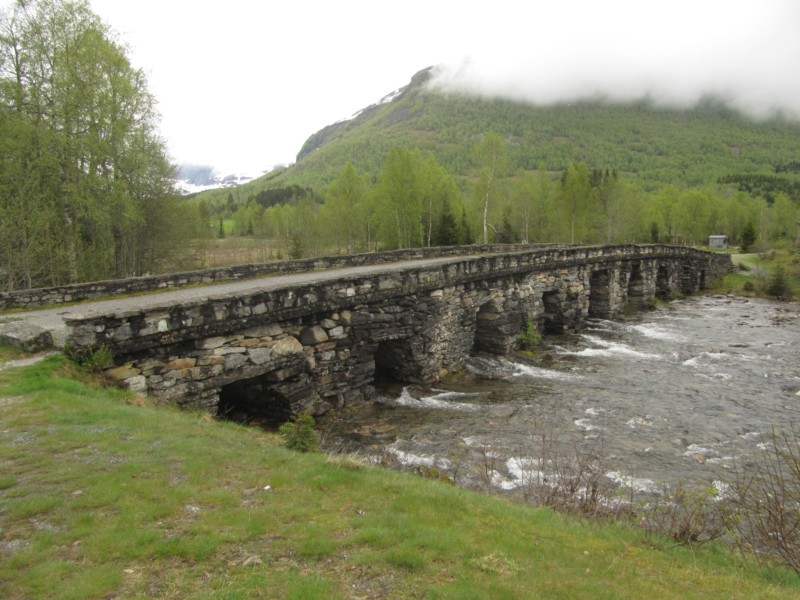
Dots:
pixel 745 52
pixel 241 85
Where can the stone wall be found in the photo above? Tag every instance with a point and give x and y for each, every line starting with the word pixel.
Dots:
pixel 321 345
pixel 162 325
pixel 26 299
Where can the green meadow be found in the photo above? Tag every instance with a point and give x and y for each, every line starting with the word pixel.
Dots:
pixel 105 496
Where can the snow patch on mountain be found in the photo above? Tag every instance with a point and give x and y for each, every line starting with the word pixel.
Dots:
pixel 192 179
pixel 385 100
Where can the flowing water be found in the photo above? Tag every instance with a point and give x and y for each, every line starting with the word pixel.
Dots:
pixel 680 394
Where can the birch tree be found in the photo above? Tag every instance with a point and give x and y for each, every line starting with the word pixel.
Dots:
pixel 492 163
pixel 82 151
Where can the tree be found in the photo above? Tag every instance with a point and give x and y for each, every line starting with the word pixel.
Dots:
pixel 783 215
pixel 399 198
pixel 778 285
pixel 522 196
pixel 748 237
pixel 576 199
pixel 81 149
pixel 492 163
pixel 663 209
pixel 448 232
pixel 346 210
pixel 465 232
pixel 611 205
pixel 654 238
pixel 693 211
pixel 439 192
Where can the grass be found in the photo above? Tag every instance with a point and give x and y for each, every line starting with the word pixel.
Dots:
pixel 8 353
pixel 759 267
pixel 104 496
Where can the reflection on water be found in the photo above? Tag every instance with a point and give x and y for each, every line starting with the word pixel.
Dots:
pixel 678 394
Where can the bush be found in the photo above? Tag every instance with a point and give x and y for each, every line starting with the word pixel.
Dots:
pixel 530 336
pixel 300 434
pixel 688 516
pixel 768 501
pixel 778 285
pixel 572 482
pixel 94 360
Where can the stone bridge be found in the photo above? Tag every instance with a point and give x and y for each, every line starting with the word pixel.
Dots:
pixel 278 349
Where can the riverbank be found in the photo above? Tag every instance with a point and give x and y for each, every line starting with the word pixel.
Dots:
pixel 753 273
pixel 104 496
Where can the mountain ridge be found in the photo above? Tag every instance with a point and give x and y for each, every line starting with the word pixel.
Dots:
pixel 651 144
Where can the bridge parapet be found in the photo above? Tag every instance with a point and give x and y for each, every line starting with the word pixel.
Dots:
pixel 320 344
pixel 81 292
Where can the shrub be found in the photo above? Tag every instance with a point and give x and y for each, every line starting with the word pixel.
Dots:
pixel 778 285
pixel 688 516
pixel 569 481
pixel 300 434
pixel 768 501
pixel 94 360
pixel 530 336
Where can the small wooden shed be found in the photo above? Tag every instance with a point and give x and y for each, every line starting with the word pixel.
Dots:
pixel 718 241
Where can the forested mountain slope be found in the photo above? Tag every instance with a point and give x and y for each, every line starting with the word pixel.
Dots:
pixel 651 144
pixel 424 167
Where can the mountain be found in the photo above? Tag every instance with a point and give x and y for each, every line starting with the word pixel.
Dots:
pixel 651 144
pixel 192 179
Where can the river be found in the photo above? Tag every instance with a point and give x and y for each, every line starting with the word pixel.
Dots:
pixel 680 394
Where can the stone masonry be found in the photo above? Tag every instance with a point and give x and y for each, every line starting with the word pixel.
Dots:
pixel 320 345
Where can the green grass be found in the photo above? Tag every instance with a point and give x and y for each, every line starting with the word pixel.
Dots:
pixel 760 266
pixel 103 496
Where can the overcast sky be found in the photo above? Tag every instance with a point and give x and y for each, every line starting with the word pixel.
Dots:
pixel 242 84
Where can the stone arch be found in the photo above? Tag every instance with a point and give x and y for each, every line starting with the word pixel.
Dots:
pixel 688 279
pixel 493 328
pixel 663 287
pixel 600 294
pixel 636 286
pixel 263 401
pixel 395 359
pixel 552 317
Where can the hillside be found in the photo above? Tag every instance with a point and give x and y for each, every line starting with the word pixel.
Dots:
pixel 644 142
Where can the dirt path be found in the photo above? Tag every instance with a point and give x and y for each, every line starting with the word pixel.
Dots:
pixel 24 362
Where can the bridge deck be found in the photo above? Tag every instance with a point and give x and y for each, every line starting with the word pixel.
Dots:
pixel 53 319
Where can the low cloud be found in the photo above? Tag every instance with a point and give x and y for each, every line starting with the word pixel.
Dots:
pixel 745 53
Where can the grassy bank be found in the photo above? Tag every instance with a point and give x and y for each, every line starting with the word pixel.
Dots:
pixel 753 271
pixel 101 498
